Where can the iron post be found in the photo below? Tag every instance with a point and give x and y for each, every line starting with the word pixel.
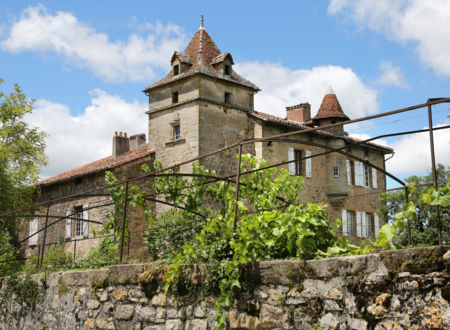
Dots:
pixel 236 195
pixel 123 221
pixel 45 234
pixel 433 168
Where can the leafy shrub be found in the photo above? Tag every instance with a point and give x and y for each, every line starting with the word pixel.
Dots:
pixel 103 255
pixel 166 235
pixel 56 257
pixel 26 290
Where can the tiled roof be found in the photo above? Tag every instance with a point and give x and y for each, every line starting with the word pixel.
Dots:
pixel 182 57
pixel 330 108
pixel 221 57
pixel 98 165
pixel 277 120
pixel 202 53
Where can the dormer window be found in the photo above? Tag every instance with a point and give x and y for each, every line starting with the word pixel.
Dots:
pixel 176 69
pixel 227 70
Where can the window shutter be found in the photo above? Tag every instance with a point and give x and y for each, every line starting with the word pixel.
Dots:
pixel 85 223
pixel 308 164
pixel 365 225
pixel 358 224
pixel 349 171
pixel 33 230
pixel 68 224
pixel 344 222
pixel 376 221
pixel 359 173
pixel 291 158
pixel 374 178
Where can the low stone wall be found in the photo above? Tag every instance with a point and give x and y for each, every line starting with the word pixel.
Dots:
pixel 405 289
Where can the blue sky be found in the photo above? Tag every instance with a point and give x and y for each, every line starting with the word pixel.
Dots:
pixel 86 63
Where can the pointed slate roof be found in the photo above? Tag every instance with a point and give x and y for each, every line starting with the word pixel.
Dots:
pixel 201 54
pixel 330 107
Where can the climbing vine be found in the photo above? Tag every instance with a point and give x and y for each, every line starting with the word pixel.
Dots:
pixel 272 223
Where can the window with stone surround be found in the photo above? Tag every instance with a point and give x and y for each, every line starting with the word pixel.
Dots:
pixel 336 172
pixel 78 213
pixel 227 98
pixel 176 131
pixel 174 97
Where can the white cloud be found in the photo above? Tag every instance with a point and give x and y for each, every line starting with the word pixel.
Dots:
pixel 77 140
pixel 391 76
pixel 62 33
pixel 283 87
pixel 423 22
pixel 412 152
pixel 364 136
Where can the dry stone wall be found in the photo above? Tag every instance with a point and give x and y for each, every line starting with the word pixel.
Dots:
pixel 405 289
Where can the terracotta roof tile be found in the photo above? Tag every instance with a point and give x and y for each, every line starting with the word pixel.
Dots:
pixel 221 57
pixel 330 108
pixel 202 53
pixel 277 120
pixel 98 165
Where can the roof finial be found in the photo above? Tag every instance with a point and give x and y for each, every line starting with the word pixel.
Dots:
pixel 202 26
pixel 330 90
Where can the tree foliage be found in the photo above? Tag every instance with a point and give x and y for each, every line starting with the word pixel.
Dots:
pixel 422 213
pixel 21 157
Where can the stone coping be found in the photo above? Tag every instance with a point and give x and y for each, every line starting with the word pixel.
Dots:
pixel 370 267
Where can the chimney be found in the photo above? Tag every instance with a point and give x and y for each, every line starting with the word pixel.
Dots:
pixel 299 113
pixel 121 144
pixel 137 141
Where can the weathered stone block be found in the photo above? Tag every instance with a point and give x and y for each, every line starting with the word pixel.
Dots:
pixel 124 312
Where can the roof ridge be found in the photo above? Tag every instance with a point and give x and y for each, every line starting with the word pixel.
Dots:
pixel 98 165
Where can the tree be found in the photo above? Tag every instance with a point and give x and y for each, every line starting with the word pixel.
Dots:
pixel 423 226
pixel 21 157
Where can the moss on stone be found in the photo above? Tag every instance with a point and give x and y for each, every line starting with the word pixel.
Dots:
pixel 415 261
pixel 100 283
pixel 62 290
pixel 298 273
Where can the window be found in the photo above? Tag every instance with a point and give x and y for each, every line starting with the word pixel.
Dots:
pixel 176 132
pixel 79 180
pixel 366 176
pixel 336 172
pixel 33 230
pixel 176 69
pixel 368 225
pixel 350 171
pixel 298 162
pixel 348 223
pixel 174 97
pixel 78 213
pixel 227 97
pixel 227 70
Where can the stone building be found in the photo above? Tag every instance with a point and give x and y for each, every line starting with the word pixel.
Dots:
pixel 88 203
pixel 202 105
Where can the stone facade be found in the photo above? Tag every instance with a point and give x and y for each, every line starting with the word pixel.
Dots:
pixel 203 109
pixel 91 199
pixel 404 289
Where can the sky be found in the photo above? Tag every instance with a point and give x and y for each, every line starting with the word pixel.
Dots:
pixel 85 63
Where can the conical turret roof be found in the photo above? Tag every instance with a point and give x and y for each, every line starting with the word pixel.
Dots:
pixel 330 107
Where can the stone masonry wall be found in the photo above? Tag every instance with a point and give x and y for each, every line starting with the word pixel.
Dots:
pixel 405 289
